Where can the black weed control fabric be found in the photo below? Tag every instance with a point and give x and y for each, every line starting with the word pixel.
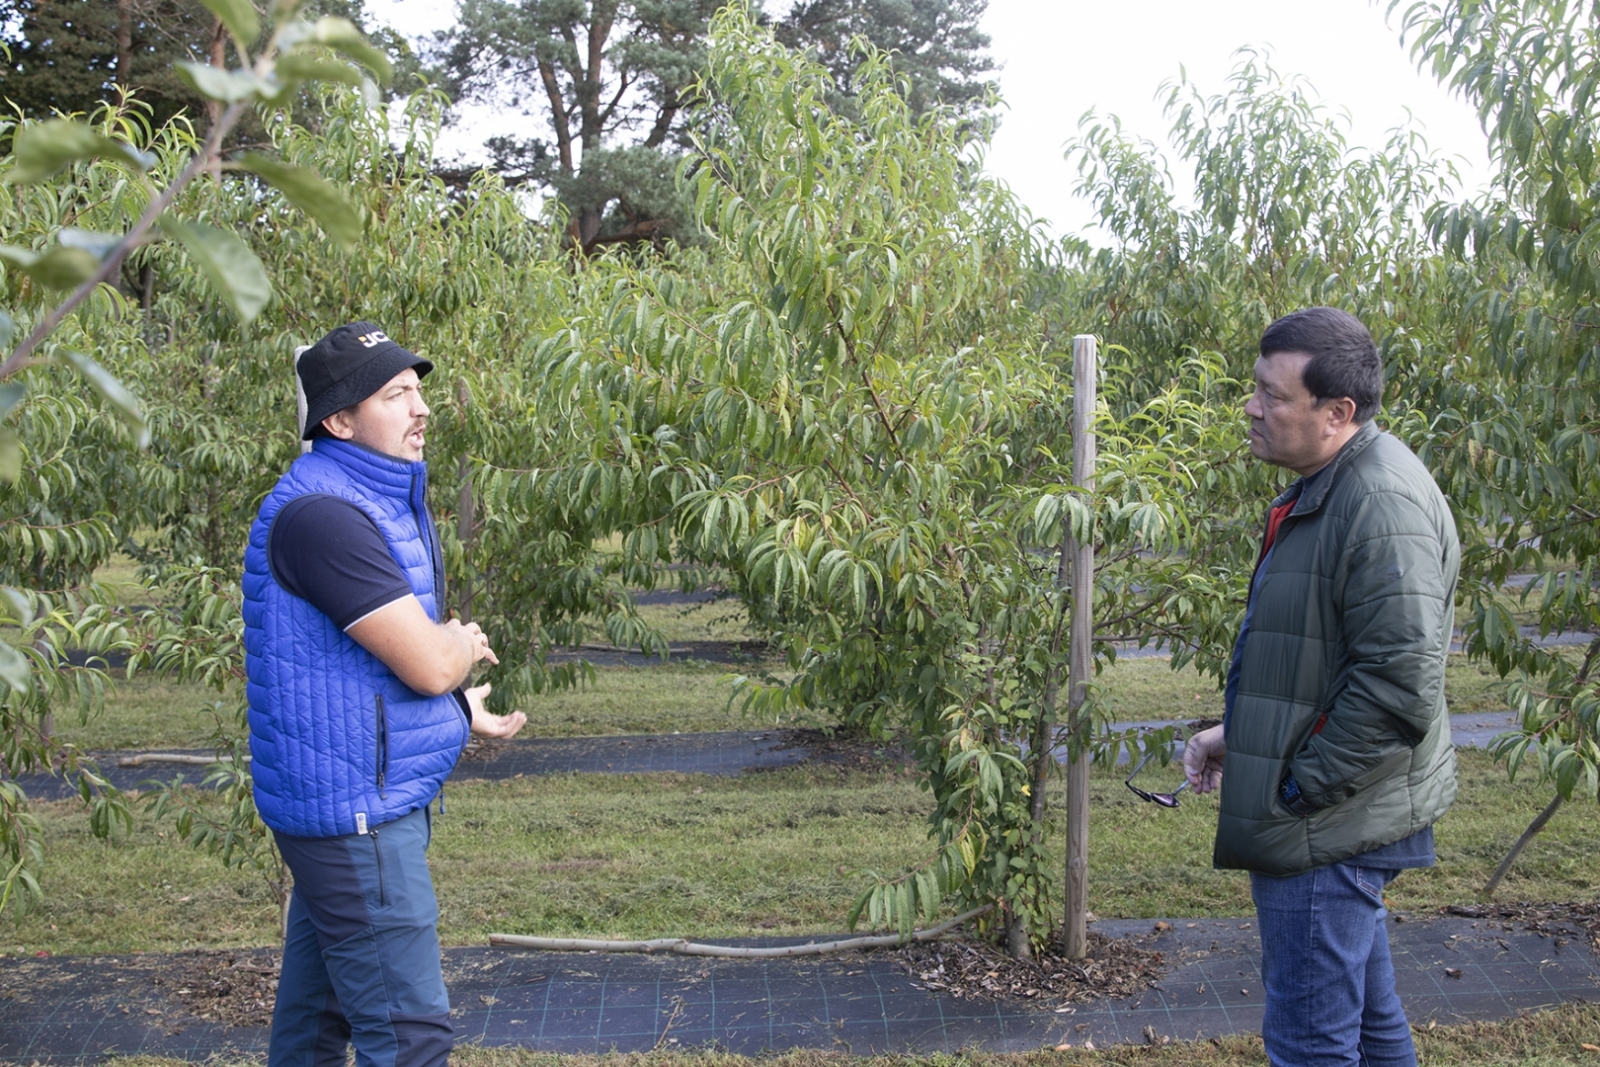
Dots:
pixel 729 752
pixel 82 1009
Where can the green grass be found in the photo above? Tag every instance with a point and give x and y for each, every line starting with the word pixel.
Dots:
pixel 1538 1039
pixel 147 712
pixel 718 620
pixel 150 712
pixel 775 852
pixel 645 700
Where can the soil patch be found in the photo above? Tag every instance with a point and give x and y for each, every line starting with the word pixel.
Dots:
pixel 977 970
pixel 234 988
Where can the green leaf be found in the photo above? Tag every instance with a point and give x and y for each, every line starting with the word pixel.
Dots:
pixel 8 330
pixel 311 193
pixel 10 395
pixel 14 670
pixel 116 394
pixel 342 36
pixel 241 19
pixel 232 268
pixel 99 245
pixel 10 455
pixel 41 149
pixel 57 268
pixel 228 86
pixel 18 605
pixel 303 67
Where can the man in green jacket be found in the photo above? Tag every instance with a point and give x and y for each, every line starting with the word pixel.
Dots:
pixel 1336 738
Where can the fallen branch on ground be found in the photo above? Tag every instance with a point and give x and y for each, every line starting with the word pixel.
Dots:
pixel 694 948
pixel 172 757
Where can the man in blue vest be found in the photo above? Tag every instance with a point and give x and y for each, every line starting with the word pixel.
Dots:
pixel 357 711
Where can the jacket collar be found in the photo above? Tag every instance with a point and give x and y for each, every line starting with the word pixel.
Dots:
pixel 1311 499
pixel 385 474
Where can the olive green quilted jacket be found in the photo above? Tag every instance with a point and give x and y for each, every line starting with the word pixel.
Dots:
pixel 1342 679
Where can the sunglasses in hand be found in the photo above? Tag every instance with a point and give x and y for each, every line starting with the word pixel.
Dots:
pixel 1166 800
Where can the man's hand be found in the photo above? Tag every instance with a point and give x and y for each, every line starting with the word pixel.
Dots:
pixel 1202 759
pixel 485 724
pixel 432 658
pixel 477 641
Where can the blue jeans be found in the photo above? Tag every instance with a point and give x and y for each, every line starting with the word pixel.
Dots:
pixel 361 959
pixel 1329 979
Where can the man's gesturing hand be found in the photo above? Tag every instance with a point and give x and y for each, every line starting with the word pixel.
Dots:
pixel 476 639
pixel 1202 759
pixel 485 724
pixel 432 658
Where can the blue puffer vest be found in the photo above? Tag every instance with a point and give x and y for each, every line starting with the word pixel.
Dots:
pixel 339 743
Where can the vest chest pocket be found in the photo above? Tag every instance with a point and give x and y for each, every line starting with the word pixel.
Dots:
pixel 383 742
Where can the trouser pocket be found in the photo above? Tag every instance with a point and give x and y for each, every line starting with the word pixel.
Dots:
pixel 1373 880
pixel 377 859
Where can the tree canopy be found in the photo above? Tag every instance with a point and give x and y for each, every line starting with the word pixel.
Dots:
pixel 69 55
pixel 609 84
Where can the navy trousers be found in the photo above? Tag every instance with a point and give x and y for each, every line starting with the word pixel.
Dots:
pixel 361 960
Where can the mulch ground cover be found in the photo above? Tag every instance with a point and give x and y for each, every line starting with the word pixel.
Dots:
pixel 1552 920
pixel 234 988
pixel 978 970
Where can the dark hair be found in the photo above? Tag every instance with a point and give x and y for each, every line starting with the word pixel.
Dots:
pixel 1344 359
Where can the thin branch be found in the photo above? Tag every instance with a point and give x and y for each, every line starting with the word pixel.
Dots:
pixel 682 947
pixel 19 359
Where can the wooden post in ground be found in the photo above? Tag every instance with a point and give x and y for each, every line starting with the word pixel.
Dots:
pixel 1085 365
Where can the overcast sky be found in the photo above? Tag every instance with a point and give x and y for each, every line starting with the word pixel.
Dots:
pixel 1060 58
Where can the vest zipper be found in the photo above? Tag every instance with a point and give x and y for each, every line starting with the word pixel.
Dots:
pixel 383 742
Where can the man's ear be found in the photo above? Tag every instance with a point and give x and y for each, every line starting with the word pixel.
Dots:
pixel 338 425
pixel 1341 414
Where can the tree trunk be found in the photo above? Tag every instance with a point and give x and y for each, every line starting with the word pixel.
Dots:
pixel 124 78
pixel 218 59
pixel 1018 944
pixel 1522 842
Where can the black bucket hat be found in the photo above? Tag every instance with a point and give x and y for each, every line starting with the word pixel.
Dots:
pixel 348 365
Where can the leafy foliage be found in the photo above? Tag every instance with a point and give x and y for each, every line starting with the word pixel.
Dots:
pixel 1526 471
pixel 80 198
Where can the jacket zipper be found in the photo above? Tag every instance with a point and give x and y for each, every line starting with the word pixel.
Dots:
pixel 383 742
pixel 419 511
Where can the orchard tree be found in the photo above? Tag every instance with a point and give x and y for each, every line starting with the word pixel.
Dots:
pixel 1526 411
pixel 79 197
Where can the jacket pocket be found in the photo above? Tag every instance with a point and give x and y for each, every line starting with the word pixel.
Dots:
pixel 383 741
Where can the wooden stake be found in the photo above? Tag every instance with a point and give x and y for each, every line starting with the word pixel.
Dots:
pixel 1085 366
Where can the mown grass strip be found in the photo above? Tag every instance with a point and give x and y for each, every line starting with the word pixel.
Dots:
pixel 643 856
